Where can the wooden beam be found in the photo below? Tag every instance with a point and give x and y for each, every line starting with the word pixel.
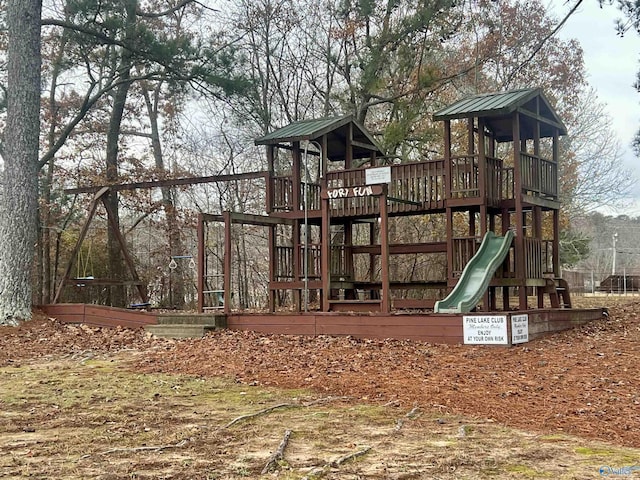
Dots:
pixel 248 219
pixel 169 182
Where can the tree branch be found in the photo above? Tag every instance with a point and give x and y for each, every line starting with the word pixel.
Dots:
pixel 542 42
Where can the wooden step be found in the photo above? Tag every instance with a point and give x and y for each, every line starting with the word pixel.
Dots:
pixel 216 319
pixel 180 330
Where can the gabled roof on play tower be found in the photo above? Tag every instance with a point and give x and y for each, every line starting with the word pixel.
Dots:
pixel 336 129
pixel 498 108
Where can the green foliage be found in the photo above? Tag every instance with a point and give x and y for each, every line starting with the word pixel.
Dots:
pixel 574 246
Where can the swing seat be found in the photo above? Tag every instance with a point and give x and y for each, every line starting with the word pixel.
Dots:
pixel 139 305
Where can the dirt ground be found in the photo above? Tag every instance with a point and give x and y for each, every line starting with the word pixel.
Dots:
pixel 580 383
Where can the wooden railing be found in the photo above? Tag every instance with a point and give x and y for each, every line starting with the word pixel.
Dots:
pixel 464 248
pixel 539 175
pixel 337 265
pixel 284 262
pixel 464 177
pixel 413 186
pixel 282 193
pixel 313 256
pixel 547 257
pixel 533 258
pixel 313 196
pixel 421 186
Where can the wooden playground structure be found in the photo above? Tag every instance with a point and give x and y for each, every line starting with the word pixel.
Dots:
pixel 331 197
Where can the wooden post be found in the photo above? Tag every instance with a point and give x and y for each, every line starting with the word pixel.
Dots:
pixel 272 266
pixel 384 252
pixel 349 144
pixel 295 239
pixel 450 279
pixel 227 262
pixel 556 243
pixel 519 240
pixel 325 255
pixel 447 159
pixel 505 290
pixel 269 178
pixel 201 259
pixel 482 165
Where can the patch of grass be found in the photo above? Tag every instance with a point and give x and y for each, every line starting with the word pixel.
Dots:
pixel 96 419
pixel 524 471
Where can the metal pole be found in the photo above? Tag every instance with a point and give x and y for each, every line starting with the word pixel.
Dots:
pixel 613 263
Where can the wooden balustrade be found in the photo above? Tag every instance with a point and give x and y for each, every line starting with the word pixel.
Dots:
pixel 284 263
pixel 539 175
pixel 464 248
pixel 312 196
pixel 421 186
pixel 547 257
pixel 282 193
pixel 464 177
pixel 413 187
pixel 313 255
pixel 533 258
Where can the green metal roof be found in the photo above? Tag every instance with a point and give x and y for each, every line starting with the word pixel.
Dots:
pixel 303 130
pixel 336 129
pixel 501 104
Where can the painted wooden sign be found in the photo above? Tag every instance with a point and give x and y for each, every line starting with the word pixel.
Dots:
pixel 377 175
pixel 353 192
pixel 485 329
pixel 519 328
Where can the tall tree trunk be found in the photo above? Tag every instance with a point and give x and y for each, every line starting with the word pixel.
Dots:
pixel 116 263
pixel 20 188
pixel 45 214
pixel 176 246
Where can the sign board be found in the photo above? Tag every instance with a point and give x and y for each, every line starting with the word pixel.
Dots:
pixel 351 192
pixel 377 175
pixel 485 329
pixel 519 328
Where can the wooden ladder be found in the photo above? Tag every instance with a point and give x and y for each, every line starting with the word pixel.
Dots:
pixel 558 290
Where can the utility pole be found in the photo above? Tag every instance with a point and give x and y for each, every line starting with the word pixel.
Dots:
pixel 613 263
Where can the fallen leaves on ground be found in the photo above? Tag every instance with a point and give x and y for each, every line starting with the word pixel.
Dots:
pixel 582 382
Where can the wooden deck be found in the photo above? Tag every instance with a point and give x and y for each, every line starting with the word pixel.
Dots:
pixel 432 328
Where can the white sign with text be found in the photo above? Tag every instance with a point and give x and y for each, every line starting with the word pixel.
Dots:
pixel 485 329
pixel 377 175
pixel 519 328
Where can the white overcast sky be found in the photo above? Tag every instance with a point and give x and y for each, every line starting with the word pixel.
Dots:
pixel 612 63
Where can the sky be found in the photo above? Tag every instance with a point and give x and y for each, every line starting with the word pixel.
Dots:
pixel 612 63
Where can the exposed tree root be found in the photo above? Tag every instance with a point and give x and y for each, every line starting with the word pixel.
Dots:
pixel 278 455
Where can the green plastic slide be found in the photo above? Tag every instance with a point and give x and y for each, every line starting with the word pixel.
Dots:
pixel 476 275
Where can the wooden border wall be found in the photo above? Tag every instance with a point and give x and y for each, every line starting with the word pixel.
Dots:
pixel 99 315
pixel 432 328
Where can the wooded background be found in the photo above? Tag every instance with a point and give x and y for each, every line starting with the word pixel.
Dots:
pixel 136 90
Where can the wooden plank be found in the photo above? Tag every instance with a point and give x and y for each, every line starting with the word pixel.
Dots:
pixel 64 309
pixel 276 319
pixel 111 314
pixel 413 302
